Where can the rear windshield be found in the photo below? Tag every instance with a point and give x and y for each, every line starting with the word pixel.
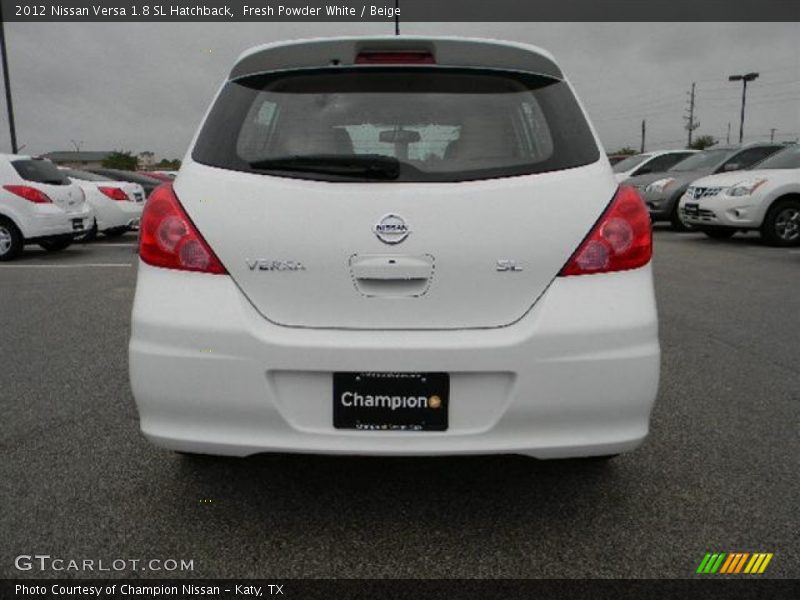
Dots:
pixel 39 170
pixel 84 175
pixel 129 176
pixel 396 125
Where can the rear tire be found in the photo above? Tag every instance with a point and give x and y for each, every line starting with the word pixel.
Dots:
pixel 11 240
pixel 720 233
pixel 57 244
pixel 781 226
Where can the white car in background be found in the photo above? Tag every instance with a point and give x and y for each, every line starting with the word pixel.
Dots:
pixel 395 245
pixel 657 161
pixel 38 205
pixel 765 198
pixel 117 204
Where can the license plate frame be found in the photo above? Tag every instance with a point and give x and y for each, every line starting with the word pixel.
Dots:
pixel 391 401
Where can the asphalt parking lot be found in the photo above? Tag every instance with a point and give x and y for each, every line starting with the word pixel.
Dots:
pixel 718 473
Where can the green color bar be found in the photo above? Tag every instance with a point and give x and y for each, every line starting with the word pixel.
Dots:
pixel 711 562
pixel 703 563
pixel 718 564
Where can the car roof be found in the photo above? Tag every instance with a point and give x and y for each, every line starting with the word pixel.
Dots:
pixel 448 51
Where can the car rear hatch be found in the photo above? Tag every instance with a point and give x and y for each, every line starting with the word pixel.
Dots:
pixel 395 197
pixel 45 176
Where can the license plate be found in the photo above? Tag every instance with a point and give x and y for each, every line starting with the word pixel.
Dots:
pixel 77 224
pixel 391 401
pixel 691 209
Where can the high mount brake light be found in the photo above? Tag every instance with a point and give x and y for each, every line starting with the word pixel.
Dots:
pixel 114 193
pixel 395 58
pixel 29 193
pixel 169 239
pixel 621 240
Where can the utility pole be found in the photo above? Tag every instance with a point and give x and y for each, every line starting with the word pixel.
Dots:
pixel 728 137
pixel 772 134
pixel 744 79
pixel 9 105
pixel 397 17
pixel 691 124
pixel 644 130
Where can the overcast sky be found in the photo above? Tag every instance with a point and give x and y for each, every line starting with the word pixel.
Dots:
pixel 139 86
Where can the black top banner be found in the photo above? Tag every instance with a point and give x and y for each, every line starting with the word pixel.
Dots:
pixel 405 10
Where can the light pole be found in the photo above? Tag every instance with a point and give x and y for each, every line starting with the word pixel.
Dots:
pixel 9 106
pixel 744 79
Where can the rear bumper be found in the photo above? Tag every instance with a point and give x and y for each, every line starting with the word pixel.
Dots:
pixel 50 220
pixel 577 376
pixel 112 214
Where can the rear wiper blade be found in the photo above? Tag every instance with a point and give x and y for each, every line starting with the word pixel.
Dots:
pixel 372 166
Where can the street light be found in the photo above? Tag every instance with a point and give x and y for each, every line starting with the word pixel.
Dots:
pixel 744 79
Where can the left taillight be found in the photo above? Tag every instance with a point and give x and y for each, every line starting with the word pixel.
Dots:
pixel 114 193
pixel 29 193
pixel 169 239
pixel 621 240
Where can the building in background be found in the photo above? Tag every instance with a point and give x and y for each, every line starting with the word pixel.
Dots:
pixel 147 160
pixel 79 159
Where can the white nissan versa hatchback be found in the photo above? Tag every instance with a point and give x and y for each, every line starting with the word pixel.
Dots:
pixel 397 245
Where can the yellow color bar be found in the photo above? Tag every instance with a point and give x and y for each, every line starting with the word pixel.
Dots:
pixel 755 560
pixel 765 563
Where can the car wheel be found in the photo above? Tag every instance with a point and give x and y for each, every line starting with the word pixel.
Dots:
pixel 114 233
pixel 720 233
pixel 89 235
pixel 676 222
pixel 56 244
pixel 11 241
pixel 781 226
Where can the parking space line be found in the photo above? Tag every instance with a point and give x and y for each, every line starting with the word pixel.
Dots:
pixel 79 266
pixel 115 245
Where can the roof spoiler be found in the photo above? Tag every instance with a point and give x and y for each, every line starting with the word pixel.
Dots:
pixel 345 52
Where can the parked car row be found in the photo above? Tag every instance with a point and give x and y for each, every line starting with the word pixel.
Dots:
pixel 54 207
pixel 693 193
pixel 718 191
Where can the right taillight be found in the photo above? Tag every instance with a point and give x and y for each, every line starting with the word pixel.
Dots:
pixel 114 193
pixel 169 239
pixel 29 193
pixel 621 240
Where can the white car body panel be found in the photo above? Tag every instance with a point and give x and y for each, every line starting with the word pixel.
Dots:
pixel 41 220
pixel 746 212
pixel 457 233
pixel 114 214
pixel 541 365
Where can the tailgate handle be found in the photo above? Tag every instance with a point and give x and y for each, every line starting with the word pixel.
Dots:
pixel 392 275
pixel 391 267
